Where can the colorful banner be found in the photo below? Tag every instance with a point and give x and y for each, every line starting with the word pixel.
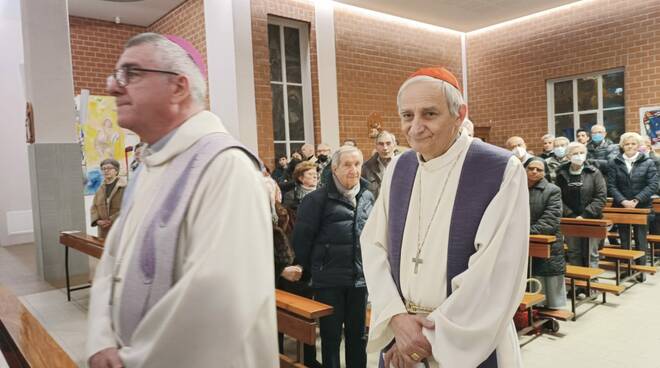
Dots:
pixel 100 138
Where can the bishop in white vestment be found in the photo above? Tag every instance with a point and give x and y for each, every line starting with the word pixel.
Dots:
pixel 204 218
pixel 476 318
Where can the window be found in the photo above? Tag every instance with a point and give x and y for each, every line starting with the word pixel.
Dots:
pixel 290 83
pixel 580 102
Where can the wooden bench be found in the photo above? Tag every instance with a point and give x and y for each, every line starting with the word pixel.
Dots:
pixel 90 245
pixel 626 216
pixel 653 240
pixel 24 341
pixel 584 228
pixel 576 275
pixel 297 317
pixel 622 255
pixel 607 265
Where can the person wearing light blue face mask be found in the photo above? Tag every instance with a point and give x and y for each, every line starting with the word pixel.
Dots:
pixel 559 157
pixel 600 149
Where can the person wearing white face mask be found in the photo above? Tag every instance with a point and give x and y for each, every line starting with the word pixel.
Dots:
pixel 518 146
pixel 632 180
pixel 558 158
pixel 584 194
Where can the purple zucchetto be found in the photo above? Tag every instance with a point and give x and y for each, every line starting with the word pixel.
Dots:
pixel 191 50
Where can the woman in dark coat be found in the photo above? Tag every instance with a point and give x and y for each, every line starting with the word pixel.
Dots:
pixel 545 213
pixel 326 240
pixel 632 180
pixel 584 194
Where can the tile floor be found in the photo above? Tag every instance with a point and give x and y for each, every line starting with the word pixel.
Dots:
pixel 624 333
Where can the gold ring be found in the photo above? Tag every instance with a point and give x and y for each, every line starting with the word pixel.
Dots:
pixel 414 356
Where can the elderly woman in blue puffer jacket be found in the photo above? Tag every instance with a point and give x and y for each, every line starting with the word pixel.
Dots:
pixel 632 180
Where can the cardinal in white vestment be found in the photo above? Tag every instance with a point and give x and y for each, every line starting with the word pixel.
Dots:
pixel 185 279
pixel 434 313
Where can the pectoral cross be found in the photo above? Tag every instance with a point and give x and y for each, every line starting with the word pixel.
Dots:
pixel 417 260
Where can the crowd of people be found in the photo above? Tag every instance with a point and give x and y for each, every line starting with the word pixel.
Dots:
pixel 574 179
pixel 438 233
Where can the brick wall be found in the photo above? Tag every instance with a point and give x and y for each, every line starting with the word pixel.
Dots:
pixel 293 9
pixel 95 47
pixel 375 54
pixel 508 65
pixel 187 21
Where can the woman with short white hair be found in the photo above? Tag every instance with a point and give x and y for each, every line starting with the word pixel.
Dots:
pixel 632 180
pixel 584 194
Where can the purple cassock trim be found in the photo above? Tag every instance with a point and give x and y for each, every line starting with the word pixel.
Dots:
pixel 480 180
pixel 150 273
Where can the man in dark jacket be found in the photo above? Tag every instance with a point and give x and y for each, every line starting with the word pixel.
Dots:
pixel 326 240
pixel 601 149
pixel 632 180
pixel 374 168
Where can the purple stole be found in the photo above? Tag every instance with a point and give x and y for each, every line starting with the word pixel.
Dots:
pixel 150 273
pixel 480 180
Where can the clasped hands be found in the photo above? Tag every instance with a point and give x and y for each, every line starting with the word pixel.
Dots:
pixel 292 273
pixel 411 345
pixel 104 223
pixel 629 203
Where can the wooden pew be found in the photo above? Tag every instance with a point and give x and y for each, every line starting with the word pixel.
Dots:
pixel 90 245
pixel 584 228
pixel 627 217
pixel 297 317
pixel 539 247
pixel 24 341
pixel 628 257
pixel 653 240
pixel 582 276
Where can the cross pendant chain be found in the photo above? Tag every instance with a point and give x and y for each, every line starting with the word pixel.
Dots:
pixel 417 260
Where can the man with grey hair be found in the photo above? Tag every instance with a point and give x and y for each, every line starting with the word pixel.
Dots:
pixel 600 149
pixel 326 240
pixel 548 146
pixel 445 248
pixel 178 259
pixel 374 168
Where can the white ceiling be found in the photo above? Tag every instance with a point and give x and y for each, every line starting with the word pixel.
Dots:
pixel 459 15
pixel 141 13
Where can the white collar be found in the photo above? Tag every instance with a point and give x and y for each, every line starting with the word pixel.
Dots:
pixel 197 126
pixel 452 154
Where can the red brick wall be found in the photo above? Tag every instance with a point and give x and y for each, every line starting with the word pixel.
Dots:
pixel 375 54
pixel 187 21
pixel 300 11
pixel 508 65
pixel 95 47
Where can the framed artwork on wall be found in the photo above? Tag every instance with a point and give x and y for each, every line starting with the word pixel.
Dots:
pixel 649 120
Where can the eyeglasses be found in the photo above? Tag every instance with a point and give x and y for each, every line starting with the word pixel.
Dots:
pixel 125 74
pixel 108 168
pixel 536 169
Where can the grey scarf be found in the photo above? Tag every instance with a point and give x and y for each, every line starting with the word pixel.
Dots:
pixel 349 194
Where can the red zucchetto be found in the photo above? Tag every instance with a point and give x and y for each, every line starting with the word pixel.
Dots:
pixel 438 73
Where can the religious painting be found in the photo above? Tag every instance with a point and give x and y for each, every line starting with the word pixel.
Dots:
pixel 649 118
pixel 100 138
